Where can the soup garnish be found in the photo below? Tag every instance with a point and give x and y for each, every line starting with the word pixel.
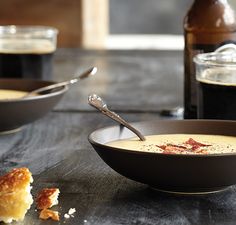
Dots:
pixel 180 144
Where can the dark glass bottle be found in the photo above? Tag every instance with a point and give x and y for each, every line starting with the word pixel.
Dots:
pixel 208 25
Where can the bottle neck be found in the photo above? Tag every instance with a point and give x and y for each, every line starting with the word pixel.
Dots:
pixel 211 15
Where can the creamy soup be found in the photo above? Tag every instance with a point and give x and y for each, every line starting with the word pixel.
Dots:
pixel 11 94
pixel 180 144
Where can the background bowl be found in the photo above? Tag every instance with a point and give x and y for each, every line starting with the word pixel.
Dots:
pixel 18 112
pixel 169 172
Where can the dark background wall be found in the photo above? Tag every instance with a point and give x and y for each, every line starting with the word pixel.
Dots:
pixel 149 16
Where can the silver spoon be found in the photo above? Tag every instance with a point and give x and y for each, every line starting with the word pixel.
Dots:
pixel 82 76
pixel 97 102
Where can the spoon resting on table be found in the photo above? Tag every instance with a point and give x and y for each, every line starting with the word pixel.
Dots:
pixel 98 103
pixel 82 76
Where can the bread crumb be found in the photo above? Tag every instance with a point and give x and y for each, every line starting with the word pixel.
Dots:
pixel 70 213
pixel 49 214
pixel 67 216
pixel 47 198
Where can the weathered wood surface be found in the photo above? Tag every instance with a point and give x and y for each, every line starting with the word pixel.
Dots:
pixel 56 150
pixel 136 80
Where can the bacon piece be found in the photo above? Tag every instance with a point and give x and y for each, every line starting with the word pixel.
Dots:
pixel 202 151
pixel 196 146
pixel 194 143
pixel 168 152
pixel 177 146
pixel 163 147
pixel 175 149
pixel 170 148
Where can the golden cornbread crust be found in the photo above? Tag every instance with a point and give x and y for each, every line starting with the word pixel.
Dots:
pixel 17 178
pixel 47 197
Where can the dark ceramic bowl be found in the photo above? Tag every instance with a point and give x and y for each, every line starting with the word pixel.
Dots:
pixel 18 112
pixel 169 172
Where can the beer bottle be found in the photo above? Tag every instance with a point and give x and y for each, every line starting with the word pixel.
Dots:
pixel 208 25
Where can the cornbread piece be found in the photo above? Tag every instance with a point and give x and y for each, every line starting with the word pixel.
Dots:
pixel 47 197
pixel 15 196
pixel 49 214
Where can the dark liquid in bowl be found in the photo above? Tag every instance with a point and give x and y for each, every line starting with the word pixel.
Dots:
pixel 216 101
pixel 21 65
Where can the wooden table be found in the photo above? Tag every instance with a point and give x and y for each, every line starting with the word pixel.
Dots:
pixel 138 85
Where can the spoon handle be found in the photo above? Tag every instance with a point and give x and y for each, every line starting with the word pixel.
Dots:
pixel 120 120
pixel 82 76
pixel 99 104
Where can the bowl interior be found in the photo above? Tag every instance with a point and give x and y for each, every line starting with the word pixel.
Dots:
pixel 217 127
pixel 26 84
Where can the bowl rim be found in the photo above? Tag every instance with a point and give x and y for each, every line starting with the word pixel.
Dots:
pixel 93 142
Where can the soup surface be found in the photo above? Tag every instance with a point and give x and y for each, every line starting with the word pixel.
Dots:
pixel 180 144
pixel 11 94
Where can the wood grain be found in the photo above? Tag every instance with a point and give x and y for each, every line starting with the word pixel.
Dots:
pixel 56 149
pixel 47 141
pixel 127 80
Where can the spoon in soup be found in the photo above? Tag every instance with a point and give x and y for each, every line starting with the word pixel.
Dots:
pixel 82 76
pixel 98 103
